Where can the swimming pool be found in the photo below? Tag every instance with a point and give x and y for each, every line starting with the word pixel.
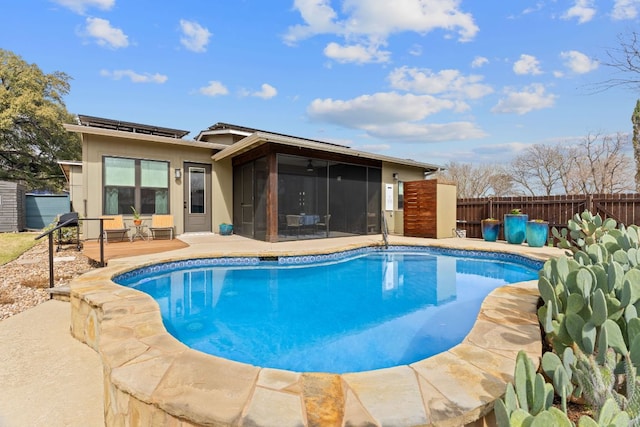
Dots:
pixel 345 312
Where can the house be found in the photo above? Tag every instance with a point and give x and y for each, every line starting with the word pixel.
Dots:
pixel 270 186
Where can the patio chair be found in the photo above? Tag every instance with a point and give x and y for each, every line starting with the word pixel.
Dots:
pixel 294 222
pixel 114 228
pixel 324 224
pixel 161 224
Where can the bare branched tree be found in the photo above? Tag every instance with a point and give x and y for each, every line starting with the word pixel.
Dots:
pixel 625 60
pixel 596 165
pixel 502 183
pixel 567 169
pixel 538 169
pixel 477 180
pixel 600 165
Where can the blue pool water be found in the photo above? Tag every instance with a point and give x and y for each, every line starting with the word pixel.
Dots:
pixel 364 311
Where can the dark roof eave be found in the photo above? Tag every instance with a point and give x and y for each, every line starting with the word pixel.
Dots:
pixel 103 123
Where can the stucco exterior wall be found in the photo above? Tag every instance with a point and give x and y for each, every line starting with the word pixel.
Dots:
pixel 395 217
pixel 95 147
pixel 75 189
pixel 222 188
pixel 446 209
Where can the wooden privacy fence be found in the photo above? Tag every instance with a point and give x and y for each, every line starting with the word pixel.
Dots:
pixel 624 208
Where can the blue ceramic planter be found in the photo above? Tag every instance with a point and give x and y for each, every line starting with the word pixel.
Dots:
pixel 490 230
pixel 226 229
pixel 537 233
pixel 515 227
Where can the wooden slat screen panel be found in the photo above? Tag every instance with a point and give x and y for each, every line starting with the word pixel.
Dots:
pixel 420 208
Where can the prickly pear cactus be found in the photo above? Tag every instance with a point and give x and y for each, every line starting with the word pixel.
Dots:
pixel 531 399
pixel 596 284
pixel 583 230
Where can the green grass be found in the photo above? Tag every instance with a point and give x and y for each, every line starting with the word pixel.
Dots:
pixel 12 245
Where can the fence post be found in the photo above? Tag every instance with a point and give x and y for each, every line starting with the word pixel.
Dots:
pixel 490 208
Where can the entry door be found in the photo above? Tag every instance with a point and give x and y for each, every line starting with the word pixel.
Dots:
pixel 197 197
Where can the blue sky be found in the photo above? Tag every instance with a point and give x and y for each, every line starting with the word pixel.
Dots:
pixel 431 80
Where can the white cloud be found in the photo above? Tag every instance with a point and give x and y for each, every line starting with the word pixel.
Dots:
pixel 105 34
pixel 427 132
pixel 531 98
pixel 536 8
pixel 319 19
pixel 479 61
pixel 625 9
pixel 371 22
pixel 80 6
pixel 578 62
pixel 266 92
pixel 379 108
pixel 356 53
pixel 527 64
pixel 195 37
pixel 449 83
pixel 583 10
pixel 135 77
pixel 393 115
pixel 214 88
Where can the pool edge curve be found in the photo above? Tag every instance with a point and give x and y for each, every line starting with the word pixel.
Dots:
pixel 151 378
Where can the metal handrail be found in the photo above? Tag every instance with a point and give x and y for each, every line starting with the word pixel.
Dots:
pixel 64 224
pixel 49 233
pixel 385 232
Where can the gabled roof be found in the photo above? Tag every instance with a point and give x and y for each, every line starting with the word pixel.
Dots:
pixel 103 123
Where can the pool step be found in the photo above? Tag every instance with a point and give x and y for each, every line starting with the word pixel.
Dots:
pixel 60 293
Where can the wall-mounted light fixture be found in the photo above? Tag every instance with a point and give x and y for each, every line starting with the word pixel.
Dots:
pixel 309 166
pixel 395 176
pixel 178 173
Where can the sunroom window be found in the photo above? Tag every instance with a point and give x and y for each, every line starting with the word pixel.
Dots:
pixel 135 182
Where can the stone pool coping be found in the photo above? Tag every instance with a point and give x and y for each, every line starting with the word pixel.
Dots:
pixel 153 379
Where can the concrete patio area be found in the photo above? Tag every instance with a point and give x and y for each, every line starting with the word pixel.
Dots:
pixel 49 378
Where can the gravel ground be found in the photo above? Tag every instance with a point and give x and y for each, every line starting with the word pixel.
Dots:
pixel 23 281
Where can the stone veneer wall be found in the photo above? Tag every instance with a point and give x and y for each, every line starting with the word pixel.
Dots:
pixel 152 379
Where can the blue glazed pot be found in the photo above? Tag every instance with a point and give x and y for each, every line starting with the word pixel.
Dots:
pixel 515 227
pixel 226 229
pixel 537 233
pixel 490 230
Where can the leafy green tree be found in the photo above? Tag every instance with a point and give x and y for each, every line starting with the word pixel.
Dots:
pixel 635 120
pixel 32 112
